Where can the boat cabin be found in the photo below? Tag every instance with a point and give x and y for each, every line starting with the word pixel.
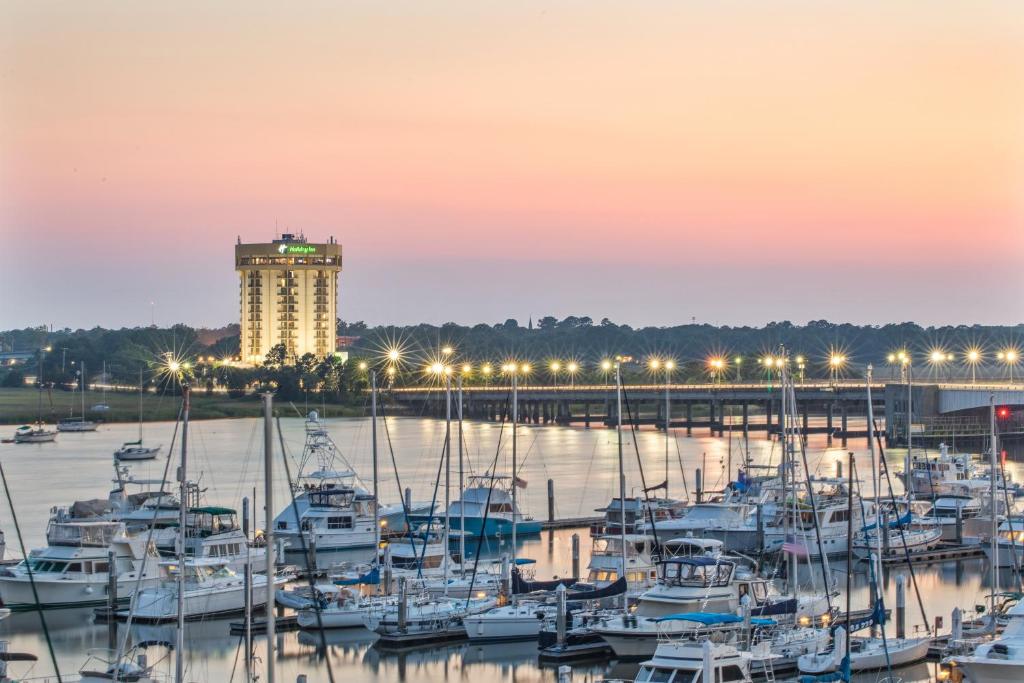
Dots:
pixel 696 571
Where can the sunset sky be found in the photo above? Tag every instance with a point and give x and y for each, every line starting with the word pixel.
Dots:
pixel 651 161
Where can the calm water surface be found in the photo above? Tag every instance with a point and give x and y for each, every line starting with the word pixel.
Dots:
pixel 226 456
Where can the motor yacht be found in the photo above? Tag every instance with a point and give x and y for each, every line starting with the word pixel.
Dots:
pixel 73 570
pixel 211 588
pixel 1000 660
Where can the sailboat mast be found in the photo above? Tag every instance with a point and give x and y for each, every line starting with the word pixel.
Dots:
pixel 268 533
pixel 515 429
pixel 668 423
pixel 787 485
pixel 447 472
pixel 140 406
pixel 907 480
pixel 376 480
pixel 179 649
pixel 876 479
pixel 622 470
pixel 993 468
pixel 462 489
pixel 83 390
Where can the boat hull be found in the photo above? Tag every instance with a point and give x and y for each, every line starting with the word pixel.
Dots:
pixel 16 592
pixel 133 454
pixel 160 604
pixel 491 527
pixel 994 671
pixel 506 623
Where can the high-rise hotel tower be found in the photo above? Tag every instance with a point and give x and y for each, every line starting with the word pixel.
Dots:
pixel 289 295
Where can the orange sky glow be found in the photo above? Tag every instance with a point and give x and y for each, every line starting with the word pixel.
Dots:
pixel 647 161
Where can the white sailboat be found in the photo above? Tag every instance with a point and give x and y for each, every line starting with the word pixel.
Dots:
pixel 135 450
pixel 36 432
pixel 77 424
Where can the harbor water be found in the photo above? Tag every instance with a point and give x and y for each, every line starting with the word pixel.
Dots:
pixel 226 457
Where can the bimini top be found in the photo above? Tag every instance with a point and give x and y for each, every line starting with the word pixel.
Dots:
pixel 713 619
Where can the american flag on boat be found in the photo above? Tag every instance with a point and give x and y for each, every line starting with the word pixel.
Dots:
pixel 794 546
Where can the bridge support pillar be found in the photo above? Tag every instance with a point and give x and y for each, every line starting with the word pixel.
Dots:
pixel 829 414
pixel 843 416
pixel 806 419
pixel 711 417
pixel 689 418
pixel 586 415
pixel 768 418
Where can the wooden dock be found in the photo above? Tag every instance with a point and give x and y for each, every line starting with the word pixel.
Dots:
pixel 946 552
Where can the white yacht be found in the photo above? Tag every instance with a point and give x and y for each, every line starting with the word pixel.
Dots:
pixel 211 532
pixel 605 565
pixel 946 508
pixel 694 660
pixel 639 513
pixel 940 474
pixel 696 584
pixel 211 588
pixel 821 528
pixel 331 512
pixel 1000 660
pixel 1010 543
pixel 73 570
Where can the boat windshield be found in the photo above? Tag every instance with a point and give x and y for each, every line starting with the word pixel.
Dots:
pixel 690 573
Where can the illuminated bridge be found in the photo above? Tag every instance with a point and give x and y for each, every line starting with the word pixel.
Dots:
pixel 837 409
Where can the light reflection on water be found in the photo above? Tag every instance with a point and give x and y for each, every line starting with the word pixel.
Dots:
pixel 582 463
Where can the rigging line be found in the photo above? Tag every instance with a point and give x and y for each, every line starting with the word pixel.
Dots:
pixel 31 576
pixel 430 519
pixel 884 464
pixel 1009 522
pixel 823 557
pixel 149 539
pixel 682 472
pixel 305 552
pixel 873 577
pixel 483 523
pixel 643 480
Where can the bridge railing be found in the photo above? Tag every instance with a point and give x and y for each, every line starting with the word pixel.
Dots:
pixel 710 386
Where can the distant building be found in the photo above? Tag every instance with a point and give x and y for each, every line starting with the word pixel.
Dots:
pixel 346 341
pixel 288 295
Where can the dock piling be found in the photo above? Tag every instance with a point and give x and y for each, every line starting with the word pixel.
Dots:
pixel 575 556
pixel 901 606
pixel 551 500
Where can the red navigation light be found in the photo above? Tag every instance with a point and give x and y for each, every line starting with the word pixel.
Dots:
pixel 1003 412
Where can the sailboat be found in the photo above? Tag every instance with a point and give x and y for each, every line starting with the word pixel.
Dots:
pixel 102 406
pixel 37 432
pixel 135 450
pixel 77 424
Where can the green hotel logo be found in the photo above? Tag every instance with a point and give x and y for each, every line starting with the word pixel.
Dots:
pixel 296 249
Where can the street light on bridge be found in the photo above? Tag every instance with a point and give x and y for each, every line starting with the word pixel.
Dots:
pixel 972 357
pixel 1011 357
